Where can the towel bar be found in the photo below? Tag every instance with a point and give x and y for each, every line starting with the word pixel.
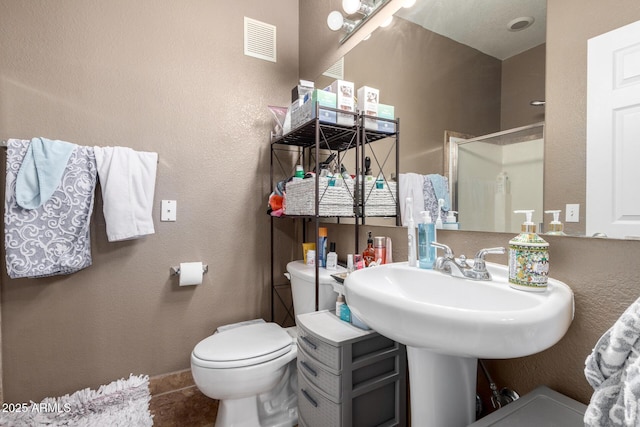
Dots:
pixel 4 144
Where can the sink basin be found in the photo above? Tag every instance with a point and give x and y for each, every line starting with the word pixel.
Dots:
pixel 447 323
pixel 457 316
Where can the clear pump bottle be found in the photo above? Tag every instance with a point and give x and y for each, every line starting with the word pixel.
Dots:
pixel 426 235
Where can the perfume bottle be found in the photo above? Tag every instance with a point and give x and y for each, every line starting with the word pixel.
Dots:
pixel 369 254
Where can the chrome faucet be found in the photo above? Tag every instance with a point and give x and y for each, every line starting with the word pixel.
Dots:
pixel 476 272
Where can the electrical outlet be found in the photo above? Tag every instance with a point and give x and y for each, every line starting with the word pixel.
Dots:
pixel 572 213
pixel 168 210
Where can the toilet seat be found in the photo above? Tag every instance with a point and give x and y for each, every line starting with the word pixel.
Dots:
pixel 243 346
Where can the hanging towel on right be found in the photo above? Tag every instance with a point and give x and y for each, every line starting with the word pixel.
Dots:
pixel 613 370
pixel 128 181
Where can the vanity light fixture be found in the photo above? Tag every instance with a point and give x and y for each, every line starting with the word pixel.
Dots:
pixel 537 103
pixel 337 22
pixel 356 12
pixel 356 6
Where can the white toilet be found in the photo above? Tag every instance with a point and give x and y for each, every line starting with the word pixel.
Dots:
pixel 251 366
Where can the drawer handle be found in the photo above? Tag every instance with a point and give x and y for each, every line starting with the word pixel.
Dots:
pixel 309 343
pixel 309 368
pixel 309 398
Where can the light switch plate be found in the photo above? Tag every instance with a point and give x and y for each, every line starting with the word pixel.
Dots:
pixel 168 210
pixel 572 213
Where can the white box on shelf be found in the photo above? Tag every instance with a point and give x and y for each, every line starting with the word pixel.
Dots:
pixel 368 100
pixel 344 91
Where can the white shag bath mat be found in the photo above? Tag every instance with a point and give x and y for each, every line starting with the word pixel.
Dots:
pixel 122 403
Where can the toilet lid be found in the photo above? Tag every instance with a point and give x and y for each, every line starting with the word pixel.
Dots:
pixel 244 346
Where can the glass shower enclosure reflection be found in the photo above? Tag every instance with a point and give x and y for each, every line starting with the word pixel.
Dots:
pixel 492 175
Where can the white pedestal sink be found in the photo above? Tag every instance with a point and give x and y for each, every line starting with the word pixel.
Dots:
pixel 447 323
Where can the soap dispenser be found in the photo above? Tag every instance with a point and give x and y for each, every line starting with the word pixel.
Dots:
pixel 450 222
pixel 528 258
pixel 555 227
pixel 426 235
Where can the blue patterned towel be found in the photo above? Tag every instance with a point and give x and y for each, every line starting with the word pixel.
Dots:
pixel 441 188
pixel 436 187
pixel 613 370
pixel 53 238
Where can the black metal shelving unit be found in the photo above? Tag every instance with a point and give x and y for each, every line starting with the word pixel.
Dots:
pixel 304 145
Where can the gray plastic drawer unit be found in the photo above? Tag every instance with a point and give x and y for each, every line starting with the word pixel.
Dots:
pixel 542 407
pixel 348 377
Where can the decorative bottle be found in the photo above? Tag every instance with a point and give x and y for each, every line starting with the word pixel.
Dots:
pixel 369 254
pixel 528 258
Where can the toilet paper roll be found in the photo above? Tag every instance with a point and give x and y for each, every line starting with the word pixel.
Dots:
pixel 190 273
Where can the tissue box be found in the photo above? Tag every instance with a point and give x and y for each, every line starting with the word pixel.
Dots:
pixel 344 91
pixel 302 113
pixel 386 112
pixel 293 116
pixel 304 88
pixel 368 104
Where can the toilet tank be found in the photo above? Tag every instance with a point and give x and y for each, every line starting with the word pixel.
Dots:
pixel 303 287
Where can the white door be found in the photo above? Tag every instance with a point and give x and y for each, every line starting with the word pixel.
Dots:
pixel 613 133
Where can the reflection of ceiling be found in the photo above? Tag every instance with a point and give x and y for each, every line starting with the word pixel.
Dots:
pixel 482 24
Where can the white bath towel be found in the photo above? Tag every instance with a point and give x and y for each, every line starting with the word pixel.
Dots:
pixel 411 185
pixel 128 181
pixel 613 370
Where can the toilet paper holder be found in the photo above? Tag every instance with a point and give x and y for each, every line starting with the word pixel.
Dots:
pixel 175 271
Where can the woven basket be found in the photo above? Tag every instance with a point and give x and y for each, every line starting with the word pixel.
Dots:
pixel 334 200
pixel 380 201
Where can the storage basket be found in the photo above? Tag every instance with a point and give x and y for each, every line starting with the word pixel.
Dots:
pixel 380 201
pixel 336 200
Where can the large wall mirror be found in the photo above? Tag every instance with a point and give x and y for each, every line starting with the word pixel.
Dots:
pixel 439 87
pixel 450 70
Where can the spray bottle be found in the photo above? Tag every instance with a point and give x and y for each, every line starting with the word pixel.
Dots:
pixel 528 258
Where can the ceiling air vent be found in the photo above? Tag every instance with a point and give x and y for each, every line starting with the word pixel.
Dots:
pixel 336 71
pixel 259 40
